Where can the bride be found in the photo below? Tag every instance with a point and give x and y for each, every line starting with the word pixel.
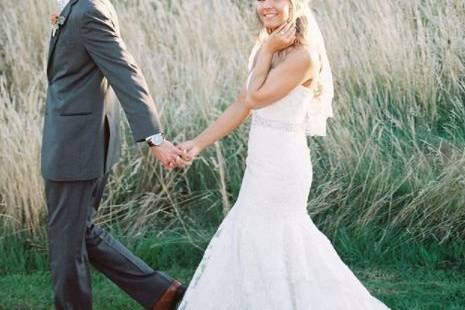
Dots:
pixel 267 253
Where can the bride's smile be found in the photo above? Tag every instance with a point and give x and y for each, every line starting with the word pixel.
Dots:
pixel 273 13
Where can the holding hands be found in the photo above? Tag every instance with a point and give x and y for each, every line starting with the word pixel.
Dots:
pixel 191 148
pixel 179 156
pixel 170 156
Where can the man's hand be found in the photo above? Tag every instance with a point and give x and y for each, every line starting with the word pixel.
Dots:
pixel 170 156
pixel 191 149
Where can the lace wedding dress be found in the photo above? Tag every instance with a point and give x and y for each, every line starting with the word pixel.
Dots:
pixel 267 254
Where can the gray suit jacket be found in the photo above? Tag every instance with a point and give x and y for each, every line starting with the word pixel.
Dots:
pixel 87 61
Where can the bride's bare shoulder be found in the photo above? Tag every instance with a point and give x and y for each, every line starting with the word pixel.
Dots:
pixel 298 57
pixel 304 54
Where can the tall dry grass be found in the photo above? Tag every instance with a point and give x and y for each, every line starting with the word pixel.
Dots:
pixel 394 155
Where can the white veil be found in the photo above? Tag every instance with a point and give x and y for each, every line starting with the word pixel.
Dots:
pixel 320 108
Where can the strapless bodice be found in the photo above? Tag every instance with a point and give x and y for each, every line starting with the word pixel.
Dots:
pixel 289 113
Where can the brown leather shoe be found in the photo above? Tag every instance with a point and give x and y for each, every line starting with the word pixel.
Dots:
pixel 170 298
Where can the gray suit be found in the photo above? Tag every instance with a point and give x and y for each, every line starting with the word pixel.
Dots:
pixel 87 61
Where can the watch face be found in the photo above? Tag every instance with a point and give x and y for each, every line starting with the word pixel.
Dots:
pixel 158 139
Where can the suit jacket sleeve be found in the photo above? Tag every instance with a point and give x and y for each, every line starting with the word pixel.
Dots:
pixel 107 49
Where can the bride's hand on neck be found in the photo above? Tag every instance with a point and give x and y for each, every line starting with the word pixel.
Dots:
pixel 281 38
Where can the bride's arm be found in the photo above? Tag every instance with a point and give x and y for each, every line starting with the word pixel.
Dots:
pixel 229 120
pixel 267 84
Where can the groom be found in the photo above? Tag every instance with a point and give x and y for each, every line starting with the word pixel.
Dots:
pixel 87 61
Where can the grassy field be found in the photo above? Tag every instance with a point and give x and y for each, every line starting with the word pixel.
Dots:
pixel 399 289
pixel 393 157
pixel 389 179
pixel 413 277
pixel 419 280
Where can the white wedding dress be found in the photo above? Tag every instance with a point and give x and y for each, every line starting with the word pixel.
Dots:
pixel 267 254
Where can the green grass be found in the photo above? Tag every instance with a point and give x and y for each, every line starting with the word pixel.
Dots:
pixel 410 289
pixel 402 273
pixel 33 291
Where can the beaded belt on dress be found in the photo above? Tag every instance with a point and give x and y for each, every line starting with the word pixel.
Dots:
pixel 258 120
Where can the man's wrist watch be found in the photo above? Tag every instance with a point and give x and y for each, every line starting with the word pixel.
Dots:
pixel 155 140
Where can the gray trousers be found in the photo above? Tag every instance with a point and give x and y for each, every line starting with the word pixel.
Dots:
pixel 75 241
